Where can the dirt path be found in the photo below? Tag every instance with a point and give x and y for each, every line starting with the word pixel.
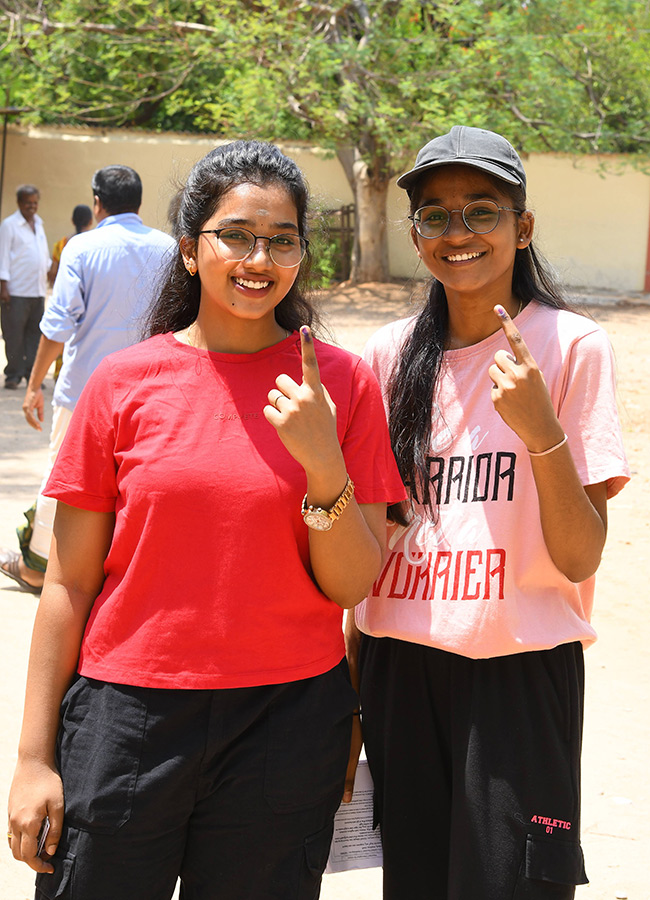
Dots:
pixel 616 784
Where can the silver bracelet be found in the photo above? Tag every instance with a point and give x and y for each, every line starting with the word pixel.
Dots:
pixel 550 449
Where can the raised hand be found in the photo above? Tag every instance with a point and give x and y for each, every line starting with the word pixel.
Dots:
pixel 304 415
pixel 519 391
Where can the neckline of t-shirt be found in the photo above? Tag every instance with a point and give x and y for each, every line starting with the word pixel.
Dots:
pixel 497 338
pixel 240 358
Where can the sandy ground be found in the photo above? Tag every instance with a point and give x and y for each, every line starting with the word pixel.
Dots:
pixel 616 781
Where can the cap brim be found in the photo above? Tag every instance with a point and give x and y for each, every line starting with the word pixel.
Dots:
pixel 407 180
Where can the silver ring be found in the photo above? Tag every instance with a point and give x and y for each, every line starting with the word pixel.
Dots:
pixel 275 402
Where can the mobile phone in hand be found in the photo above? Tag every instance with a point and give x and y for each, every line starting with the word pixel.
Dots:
pixel 42 836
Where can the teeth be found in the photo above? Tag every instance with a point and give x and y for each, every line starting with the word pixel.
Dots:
pixel 256 285
pixel 460 257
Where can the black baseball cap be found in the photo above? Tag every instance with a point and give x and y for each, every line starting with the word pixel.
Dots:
pixel 466 146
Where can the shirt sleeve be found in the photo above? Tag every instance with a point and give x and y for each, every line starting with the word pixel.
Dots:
pixel 589 415
pixel 42 238
pixel 85 472
pixel 67 305
pixel 366 446
pixel 5 250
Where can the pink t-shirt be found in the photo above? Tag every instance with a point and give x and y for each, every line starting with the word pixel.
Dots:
pixel 479 582
pixel 208 579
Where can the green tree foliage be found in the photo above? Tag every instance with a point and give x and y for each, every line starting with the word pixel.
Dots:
pixel 131 64
pixel 369 80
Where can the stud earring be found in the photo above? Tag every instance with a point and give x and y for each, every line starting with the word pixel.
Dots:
pixel 190 265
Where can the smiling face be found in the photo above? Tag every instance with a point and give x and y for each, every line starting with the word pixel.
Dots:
pixel 468 263
pixel 251 288
pixel 28 206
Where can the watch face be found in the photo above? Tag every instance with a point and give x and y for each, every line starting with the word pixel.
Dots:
pixel 319 521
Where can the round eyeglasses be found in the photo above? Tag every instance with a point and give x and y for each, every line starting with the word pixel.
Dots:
pixel 286 250
pixel 480 216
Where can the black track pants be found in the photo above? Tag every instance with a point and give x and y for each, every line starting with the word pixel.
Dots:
pixel 477 770
pixel 232 790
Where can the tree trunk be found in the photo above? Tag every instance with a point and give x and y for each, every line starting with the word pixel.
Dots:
pixel 370 189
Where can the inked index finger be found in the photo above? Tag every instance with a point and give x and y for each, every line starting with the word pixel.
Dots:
pixel 514 338
pixel 310 371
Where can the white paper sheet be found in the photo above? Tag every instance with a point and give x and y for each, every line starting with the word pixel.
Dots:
pixel 355 845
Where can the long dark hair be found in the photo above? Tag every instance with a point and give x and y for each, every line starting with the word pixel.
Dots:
pixel 211 178
pixel 413 385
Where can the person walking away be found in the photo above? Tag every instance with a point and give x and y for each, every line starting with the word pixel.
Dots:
pixel 105 285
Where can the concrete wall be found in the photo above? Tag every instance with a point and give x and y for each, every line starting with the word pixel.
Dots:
pixel 592 226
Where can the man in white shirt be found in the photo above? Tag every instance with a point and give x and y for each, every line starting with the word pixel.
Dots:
pixel 24 261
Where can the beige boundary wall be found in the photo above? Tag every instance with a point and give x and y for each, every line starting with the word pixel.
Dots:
pixel 593 227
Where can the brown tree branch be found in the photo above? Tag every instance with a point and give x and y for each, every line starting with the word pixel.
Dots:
pixel 49 26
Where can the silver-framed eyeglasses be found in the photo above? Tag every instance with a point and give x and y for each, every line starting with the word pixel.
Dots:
pixel 286 250
pixel 480 216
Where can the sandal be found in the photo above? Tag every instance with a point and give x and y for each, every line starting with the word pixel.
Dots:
pixel 10 566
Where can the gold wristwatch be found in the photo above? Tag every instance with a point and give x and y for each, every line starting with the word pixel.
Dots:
pixel 323 519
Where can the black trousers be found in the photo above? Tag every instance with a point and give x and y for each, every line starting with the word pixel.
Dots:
pixel 233 791
pixel 20 320
pixel 476 766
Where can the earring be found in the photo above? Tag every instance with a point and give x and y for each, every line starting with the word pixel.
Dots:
pixel 190 265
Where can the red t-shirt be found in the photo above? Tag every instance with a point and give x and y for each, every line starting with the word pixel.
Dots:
pixel 208 579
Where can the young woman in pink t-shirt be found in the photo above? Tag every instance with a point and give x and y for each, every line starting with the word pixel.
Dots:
pixel 222 497
pixel 503 421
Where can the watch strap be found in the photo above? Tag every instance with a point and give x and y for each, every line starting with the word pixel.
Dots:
pixel 334 512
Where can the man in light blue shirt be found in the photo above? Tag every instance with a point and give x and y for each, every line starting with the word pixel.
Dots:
pixel 106 281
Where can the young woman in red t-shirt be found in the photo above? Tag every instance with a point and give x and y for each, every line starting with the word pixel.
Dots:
pixel 222 497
